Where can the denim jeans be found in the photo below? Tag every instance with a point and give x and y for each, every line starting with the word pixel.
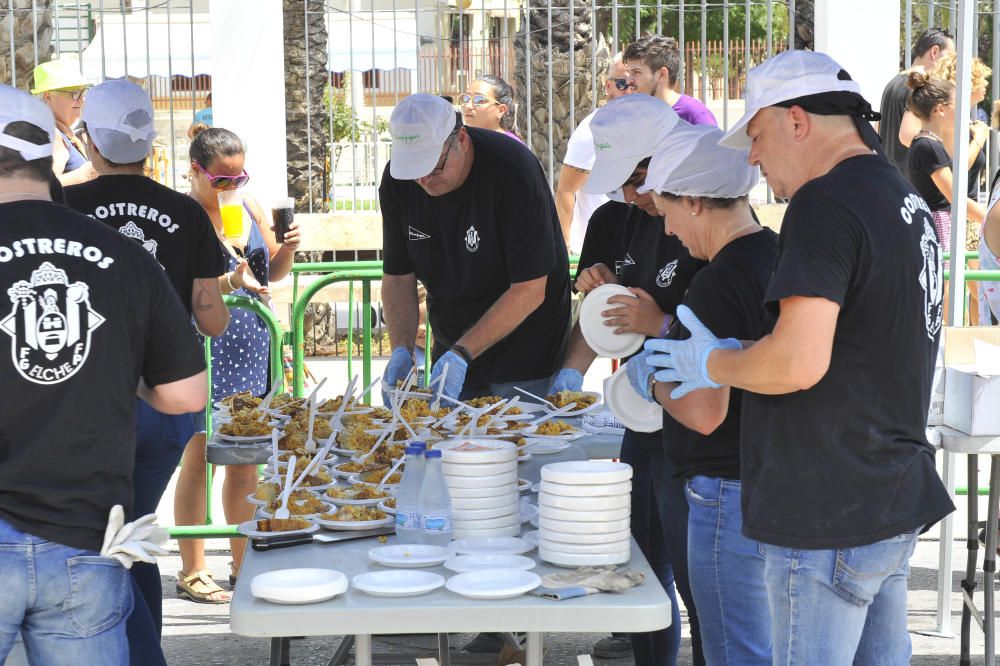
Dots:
pixel 840 607
pixel 160 442
pixel 66 602
pixel 727 576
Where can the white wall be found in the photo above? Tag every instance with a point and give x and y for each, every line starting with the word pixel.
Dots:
pixel 248 88
pixel 863 36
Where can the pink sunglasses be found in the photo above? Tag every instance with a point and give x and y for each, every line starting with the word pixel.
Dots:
pixel 224 182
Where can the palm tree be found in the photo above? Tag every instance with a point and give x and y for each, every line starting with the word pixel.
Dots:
pixel 28 31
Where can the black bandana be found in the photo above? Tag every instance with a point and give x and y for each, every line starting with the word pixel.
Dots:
pixel 842 103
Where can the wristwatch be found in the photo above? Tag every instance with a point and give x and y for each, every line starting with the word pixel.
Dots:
pixel 463 352
pixel 650 386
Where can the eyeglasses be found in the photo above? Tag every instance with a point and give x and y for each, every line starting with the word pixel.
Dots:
pixel 621 84
pixel 224 182
pixel 477 100
pixel 439 169
pixel 75 95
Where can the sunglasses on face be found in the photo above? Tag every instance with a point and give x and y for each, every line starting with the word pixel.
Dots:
pixel 224 182
pixel 477 100
pixel 621 84
pixel 439 169
pixel 75 95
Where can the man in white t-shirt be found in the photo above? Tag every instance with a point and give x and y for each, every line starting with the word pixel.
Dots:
pixel 573 206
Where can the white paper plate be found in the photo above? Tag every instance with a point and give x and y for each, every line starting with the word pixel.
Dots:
pixel 397 583
pixel 466 504
pixel 480 470
pixel 467 563
pixel 523 485
pixel 578 560
pixel 262 512
pixel 492 481
pixel 251 439
pixel 584 516
pixel 476 451
pixel 355 525
pixel 566 436
pixel 601 338
pixel 491 546
pixel 554 537
pixel 467 515
pixel 256 502
pixel 494 583
pixel 605 503
pixel 577 527
pixel 587 472
pixel 475 493
pixel 249 529
pixel 629 407
pixel 529 513
pixel 583 548
pixel 353 502
pixel 580 412
pixel 532 537
pixel 496 532
pixel 544 447
pixel 298 586
pixel 388 509
pixel 483 524
pixel 585 490
pixel 409 556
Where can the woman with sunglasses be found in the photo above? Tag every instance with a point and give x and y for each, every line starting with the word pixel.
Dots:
pixel 63 88
pixel 489 104
pixel 239 356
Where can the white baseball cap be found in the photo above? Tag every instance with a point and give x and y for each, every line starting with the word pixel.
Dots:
pixel 626 131
pixel 119 118
pixel 420 124
pixel 18 106
pixel 788 75
pixel 690 162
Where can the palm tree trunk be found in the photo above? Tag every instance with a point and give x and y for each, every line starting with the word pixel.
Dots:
pixel 28 31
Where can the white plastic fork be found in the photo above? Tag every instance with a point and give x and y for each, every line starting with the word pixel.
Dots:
pixel 282 511
pixel 532 395
pixel 385 479
pixel 561 410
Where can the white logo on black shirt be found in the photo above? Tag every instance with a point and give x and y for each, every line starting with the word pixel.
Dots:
pixel 417 234
pixel 930 280
pixel 627 261
pixel 137 234
pixel 666 274
pixel 472 239
pixel 50 325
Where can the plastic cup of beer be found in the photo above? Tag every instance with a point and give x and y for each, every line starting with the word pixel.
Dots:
pixel 282 213
pixel 231 210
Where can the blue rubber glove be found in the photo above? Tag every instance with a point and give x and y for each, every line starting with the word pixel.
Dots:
pixel 456 374
pixel 567 379
pixel 638 371
pixel 686 361
pixel 400 363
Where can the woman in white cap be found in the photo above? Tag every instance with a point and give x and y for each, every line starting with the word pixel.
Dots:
pixel 701 190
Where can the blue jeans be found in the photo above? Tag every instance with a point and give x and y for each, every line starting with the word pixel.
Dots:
pixel 659 526
pixel 727 576
pixel 840 607
pixel 66 602
pixel 160 442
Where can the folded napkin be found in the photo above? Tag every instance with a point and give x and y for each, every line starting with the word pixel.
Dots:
pixel 587 580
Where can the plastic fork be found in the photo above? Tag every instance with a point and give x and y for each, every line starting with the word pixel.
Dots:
pixel 532 395
pixel 282 512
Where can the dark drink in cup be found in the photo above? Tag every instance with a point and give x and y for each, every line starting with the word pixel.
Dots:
pixel 282 214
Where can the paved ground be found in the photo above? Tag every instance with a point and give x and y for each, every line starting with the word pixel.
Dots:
pixel 195 634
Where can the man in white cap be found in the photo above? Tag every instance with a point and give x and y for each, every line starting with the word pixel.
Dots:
pixel 175 230
pixel 92 321
pixel 625 244
pixel 838 477
pixel 469 214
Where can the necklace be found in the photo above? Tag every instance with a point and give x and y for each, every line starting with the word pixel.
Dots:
pixel 725 241
pixel 927 132
pixel 18 196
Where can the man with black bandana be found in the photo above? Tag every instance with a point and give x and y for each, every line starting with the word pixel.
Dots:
pixel 838 477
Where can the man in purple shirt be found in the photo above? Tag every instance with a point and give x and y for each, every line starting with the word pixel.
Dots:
pixel 651 65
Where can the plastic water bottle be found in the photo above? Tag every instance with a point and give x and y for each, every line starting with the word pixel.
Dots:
pixel 435 503
pixel 408 497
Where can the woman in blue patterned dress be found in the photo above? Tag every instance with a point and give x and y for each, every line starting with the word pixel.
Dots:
pixel 239 356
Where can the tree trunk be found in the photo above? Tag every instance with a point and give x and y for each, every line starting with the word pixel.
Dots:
pixel 804 12
pixel 535 48
pixel 28 31
pixel 305 112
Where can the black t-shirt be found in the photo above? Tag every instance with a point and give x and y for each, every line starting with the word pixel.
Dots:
pixel 468 246
pixel 727 296
pixel 926 156
pixel 633 245
pixel 87 315
pixel 172 227
pixel 975 171
pixel 846 462
pixel 893 106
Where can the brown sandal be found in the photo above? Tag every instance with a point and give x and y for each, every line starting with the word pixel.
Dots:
pixel 200 588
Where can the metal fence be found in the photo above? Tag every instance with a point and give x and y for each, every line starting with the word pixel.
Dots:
pixel 554 53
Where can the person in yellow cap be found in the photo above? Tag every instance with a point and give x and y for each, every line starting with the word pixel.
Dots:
pixel 62 87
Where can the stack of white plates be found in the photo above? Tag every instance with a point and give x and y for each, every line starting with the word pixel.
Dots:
pixel 584 509
pixel 482 481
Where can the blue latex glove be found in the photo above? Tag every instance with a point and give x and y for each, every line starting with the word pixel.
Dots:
pixel 456 374
pixel 567 379
pixel 686 361
pixel 638 370
pixel 400 363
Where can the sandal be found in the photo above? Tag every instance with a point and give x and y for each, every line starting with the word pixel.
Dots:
pixel 200 588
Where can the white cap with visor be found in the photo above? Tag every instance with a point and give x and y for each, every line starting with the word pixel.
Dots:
pixel 420 124
pixel 690 162
pixel 119 118
pixel 18 106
